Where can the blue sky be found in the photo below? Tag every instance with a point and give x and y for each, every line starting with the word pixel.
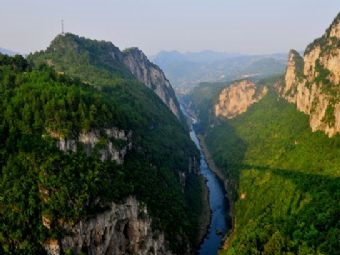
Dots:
pixel 243 26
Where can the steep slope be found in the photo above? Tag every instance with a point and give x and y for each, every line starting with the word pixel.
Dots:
pixel 80 53
pixel 102 155
pixel 282 179
pixel 237 98
pixel 282 175
pixel 152 76
pixel 313 82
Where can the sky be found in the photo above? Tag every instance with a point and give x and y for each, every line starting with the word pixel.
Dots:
pixel 238 26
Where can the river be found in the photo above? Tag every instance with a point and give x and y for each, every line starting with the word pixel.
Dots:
pixel 218 205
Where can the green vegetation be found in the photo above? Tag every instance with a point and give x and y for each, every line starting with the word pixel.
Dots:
pixel 289 178
pixel 203 96
pixel 84 59
pixel 327 43
pixel 329 117
pixel 322 74
pixel 299 65
pixel 37 179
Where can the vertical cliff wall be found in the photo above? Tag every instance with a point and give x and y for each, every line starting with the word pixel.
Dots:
pixel 237 98
pixel 152 76
pixel 313 82
pixel 122 229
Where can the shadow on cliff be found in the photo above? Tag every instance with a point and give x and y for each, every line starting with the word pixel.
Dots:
pixel 303 181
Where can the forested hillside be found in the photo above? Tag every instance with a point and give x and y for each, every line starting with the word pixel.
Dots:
pixel 283 179
pixel 41 108
pixel 101 63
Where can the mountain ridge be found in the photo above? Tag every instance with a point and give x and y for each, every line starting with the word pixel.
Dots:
pixel 312 81
pixel 187 70
pixel 129 64
pixel 82 141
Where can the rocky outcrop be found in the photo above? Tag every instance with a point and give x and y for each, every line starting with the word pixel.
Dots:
pixel 237 98
pixel 112 144
pixel 313 82
pixel 152 76
pixel 123 229
pixel 294 70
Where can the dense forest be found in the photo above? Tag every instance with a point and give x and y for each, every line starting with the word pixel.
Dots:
pixel 36 178
pixel 283 178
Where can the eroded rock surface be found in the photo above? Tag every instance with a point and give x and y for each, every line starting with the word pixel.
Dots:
pixel 152 76
pixel 123 229
pixel 313 82
pixel 112 144
pixel 237 98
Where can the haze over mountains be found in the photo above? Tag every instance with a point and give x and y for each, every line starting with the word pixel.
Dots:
pixel 100 156
pixel 8 52
pixel 186 70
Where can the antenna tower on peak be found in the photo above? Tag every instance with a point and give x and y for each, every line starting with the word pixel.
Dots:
pixel 62 27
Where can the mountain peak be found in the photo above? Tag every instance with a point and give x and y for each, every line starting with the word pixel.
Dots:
pixel 334 29
pixel 75 53
pixel 153 77
pixel 312 83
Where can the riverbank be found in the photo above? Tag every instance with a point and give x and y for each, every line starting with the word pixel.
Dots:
pixel 211 163
pixel 206 212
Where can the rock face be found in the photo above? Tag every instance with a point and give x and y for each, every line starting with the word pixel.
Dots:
pixel 236 98
pixel 152 76
pixel 123 229
pixel 112 144
pixel 313 82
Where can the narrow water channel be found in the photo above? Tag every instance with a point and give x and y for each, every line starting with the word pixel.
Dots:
pixel 218 206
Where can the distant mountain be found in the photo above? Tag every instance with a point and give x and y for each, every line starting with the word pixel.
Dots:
pixel 195 57
pixel 189 69
pixel 8 52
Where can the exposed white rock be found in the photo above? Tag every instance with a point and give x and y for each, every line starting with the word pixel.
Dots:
pixel 152 76
pixel 309 61
pixel 123 229
pixel 335 29
pixel 108 151
pixel 237 98
pixel 312 96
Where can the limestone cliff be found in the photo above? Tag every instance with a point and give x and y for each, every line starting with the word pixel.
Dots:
pixel 112 144
pixel 237 98
pixel 123 229
pixel 152 76
pixel 313 82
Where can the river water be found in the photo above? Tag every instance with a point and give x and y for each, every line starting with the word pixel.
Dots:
pixel 218 206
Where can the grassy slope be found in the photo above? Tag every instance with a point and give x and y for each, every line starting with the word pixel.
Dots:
pixel 289 176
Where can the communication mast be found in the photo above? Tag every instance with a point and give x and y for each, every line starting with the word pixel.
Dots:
pixel 62 27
